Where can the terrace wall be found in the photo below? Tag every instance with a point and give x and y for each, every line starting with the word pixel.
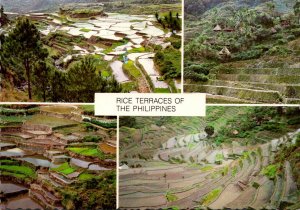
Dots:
pixel 34 127
pixel 62 116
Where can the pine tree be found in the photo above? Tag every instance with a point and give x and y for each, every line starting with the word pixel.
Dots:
pixel 84 81
pixel 42 78
pixel 3 17
pixel 23 48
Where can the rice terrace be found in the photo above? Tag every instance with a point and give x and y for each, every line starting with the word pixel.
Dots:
pixel 73 50
pixel 56 157
pixel 246 160
pixel 241 51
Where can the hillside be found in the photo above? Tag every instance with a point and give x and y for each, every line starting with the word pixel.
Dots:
pixel 234 158
pixel 244 53
pixel 118 47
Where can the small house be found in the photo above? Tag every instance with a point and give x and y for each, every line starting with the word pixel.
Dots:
pixel 225 52
pixel 217 28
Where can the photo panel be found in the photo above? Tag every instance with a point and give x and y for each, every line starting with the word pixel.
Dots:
pixel 243 51
pixel 57 157
pixel 237 157
pixel 66 51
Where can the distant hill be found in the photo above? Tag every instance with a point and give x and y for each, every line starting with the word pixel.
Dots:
pixel 195 8
pixel 24 6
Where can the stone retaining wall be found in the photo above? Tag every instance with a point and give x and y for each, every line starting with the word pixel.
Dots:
pixel 36 127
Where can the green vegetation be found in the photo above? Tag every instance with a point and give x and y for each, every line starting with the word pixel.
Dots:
pixel 171 197
pixel 169 62
pixel 87 151
pixel 169 21
pixel 18 171
pixel 206 168
pixel 92 139
pixel 230 44
pixel 37 61
pixel 65 169
pixel 86 176
pixel 87 109
pixel 85 30
pixel 3 17
pixel 22 49
pixel 211 196
pixel 270 171
pixel 137 50
pixel 132 71
pixel 98 192
pixel 104 124
pixel 161 90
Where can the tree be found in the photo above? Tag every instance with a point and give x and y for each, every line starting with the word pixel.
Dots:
pixel 297 9
pixel 42 78
pixel 58 86
pixel 3 17
pixel 84 81
pixel 210 130
pixel 157 16
pixel 23 48
pixel 271 7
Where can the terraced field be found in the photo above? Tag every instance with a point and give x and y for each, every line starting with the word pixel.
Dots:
pixel 122 46
pixel 190 171
pixel 54 154
pixel 251 85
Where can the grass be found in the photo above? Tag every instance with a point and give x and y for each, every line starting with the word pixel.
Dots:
pixel 129 86
pixel 23 170
pixel 19 176
pixel 137 50
pixel 270 171
pixel 171 197
pixel 49 121
pixel 2 162
pixel 87 108
pixel 85 30
pixel 14 119
pixel 206 168
pixel 58 109
pixel 65 169
pixel 105 73
pixel 86 151
pixel 234 171
pixel 86 176
pixel 161 90
pixel 131 70
pixel 211 196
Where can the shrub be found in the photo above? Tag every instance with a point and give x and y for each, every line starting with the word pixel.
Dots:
pixel 249 54
pixel 210 130
pixel 92 139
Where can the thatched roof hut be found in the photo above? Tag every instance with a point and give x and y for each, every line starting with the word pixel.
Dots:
pixel 225 52
pixel 217 28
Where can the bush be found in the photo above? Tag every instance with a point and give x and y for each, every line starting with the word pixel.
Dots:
pixel 249 54
pixel 92 139
pixel 210 130
pixel 104 124
pixel 294 121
